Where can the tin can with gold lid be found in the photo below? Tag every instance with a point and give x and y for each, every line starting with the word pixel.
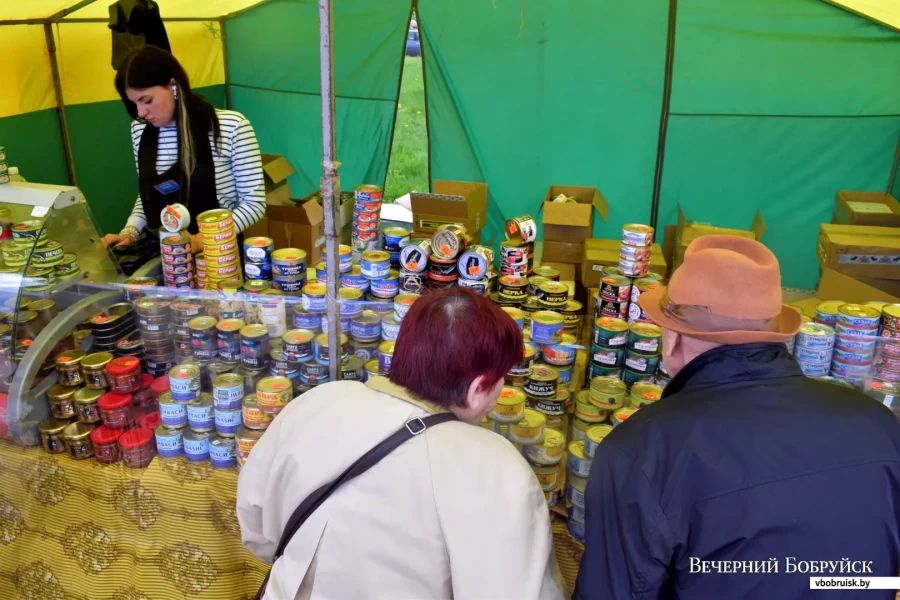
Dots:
pixel 542 382
pixel 546 327
pixel 521 230
pixel 449 241
pixel 510 405
pixel 553 295
pixel 216 220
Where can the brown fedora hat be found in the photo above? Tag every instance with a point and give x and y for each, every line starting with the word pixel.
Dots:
pixel 728 291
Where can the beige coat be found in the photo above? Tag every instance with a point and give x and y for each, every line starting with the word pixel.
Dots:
pixel 453 513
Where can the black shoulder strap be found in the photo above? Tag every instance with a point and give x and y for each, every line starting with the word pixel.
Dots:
pixel 412 428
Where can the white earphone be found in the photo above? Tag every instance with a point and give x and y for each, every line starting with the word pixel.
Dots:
pixel 175 91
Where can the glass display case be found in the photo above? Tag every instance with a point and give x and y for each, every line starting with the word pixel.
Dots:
pixel 55 274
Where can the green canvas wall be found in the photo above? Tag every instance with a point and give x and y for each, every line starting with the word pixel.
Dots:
pixel 33 143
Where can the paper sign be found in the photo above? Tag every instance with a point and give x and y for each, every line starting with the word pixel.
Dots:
pixel 40 211
pixel 869 207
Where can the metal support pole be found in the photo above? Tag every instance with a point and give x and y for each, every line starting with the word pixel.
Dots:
pixel 894 168
pixel 225 64
pixel 331 191
pixel 60 103
pixel 664 113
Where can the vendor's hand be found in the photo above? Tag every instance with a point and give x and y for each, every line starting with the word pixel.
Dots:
pixel 196 244
pixel 111 240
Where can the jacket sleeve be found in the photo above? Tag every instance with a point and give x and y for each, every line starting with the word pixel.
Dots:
pixel 246 165
pixel 628 541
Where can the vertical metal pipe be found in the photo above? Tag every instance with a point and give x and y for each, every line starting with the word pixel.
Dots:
pixel 330 187
pixel 892 178
pixel 60 103
pixel 225 64
pixel 664 113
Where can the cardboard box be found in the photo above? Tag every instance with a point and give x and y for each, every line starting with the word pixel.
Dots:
pixel 563 252
pixel 567 275
pixel 474 239
pixel 807 306
pixel 860 251
pixel 572 221
pixel 837 286
pixel 346 209
pixel 688 230
pixel 459 202
pixel 276 170
pixel 866 208
pixel 301 226
pixel 600 253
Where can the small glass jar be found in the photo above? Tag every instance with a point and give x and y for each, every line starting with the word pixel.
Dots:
pixel 160 386
pixel 78 440
pixel 106 444
pixel 124 374
pixel 62 403
pixel 137 448
pixel 115 410
pixel 68 367
pixel 93 369
pixel 143 399
pixel 87 405
pixel 51 431
pixel 150 421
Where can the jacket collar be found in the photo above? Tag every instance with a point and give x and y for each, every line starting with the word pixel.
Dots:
pixel 384 385
pixel 739 362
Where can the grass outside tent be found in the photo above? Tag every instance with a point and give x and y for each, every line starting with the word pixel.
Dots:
pixel 408 166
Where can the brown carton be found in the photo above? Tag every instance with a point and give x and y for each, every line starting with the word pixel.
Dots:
pixel 458 202
pixel 688 231
pixel 563 252
pixel 276 170
pixel 572 221
pixel 860 251
pixel 601 253
pixel 301 226
pixel 837 286
pixel 866 208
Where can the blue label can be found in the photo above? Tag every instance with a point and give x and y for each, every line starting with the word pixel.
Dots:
pixel 227 421
pixel 172 413
pixel 169 442
pixel 196 445
pixel 307 320
pixel 222 452
pixel 258 271
pixel 200 413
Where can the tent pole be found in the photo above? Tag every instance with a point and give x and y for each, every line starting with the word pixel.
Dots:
pixel 893 176
pixel 67 11
pixel 331 185
pixel 60 104
pixel 664 113
pixel 225 64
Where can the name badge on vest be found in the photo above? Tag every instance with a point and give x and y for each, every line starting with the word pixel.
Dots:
pixel 167 187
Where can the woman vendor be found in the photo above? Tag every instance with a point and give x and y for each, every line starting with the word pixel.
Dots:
pixel 186 151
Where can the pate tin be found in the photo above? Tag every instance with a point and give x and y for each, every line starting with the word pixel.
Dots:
pixel 510 405
pixel 637 235
pixel 542 382
pixel 222 451
pixel 578 462
pixel 228 390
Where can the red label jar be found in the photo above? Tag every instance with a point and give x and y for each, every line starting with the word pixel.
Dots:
pixel 137 448
pixel 115 409
pixel 150 421
pixel 124 374
pixel 106 444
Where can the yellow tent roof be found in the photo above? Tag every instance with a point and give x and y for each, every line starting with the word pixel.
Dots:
pixel 886 12
pixel 99 9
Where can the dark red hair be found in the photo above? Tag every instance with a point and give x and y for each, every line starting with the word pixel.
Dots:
pixel 450 338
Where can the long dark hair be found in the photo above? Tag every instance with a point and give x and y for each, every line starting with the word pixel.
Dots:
pixel 149 66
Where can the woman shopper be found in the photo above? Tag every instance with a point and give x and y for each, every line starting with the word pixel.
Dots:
pixel 454 512
pixel 186 151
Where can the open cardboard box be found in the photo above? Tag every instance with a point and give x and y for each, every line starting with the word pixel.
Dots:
pixel 301 226
pixel 601 253
pixel 687 231
pixel 453 202
pixel 866 208
pixel 276 170
pixel 860 251
pixel 838 286
pixel 571 222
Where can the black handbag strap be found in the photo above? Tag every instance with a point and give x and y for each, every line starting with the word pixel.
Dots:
pixel 412 428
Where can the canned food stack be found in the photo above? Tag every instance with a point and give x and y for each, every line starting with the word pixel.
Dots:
pixel 609 339
pixel 634 252
pixel 636 314
pixel 887 362
pixel 177 261
pixel 856 335
pixel 180 314
pixel 414 266
pixel 448 244
pixel 289 271
pixel 115 324
pixel 258 258
pixel 4 169
pixel 642 353
pixel 813 349
pixel 517 252
pixel 393 239
pixel 383 281
pixel 366 219
pixel 826 312
pixel 220 247
pixel 476 268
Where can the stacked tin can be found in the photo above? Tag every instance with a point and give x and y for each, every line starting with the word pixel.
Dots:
pixel 476 269
pixel 393 240
pixel 887 361
pixel 220 246
pixel 258 258
pixel 156 326
pixel 414 266
pixel 813 349
pixel 856 335
pixel 634 252
pixel 448 244
pixel 517 252
pixel 177 260
pixel 289 270
pixel 4 169
pixel 366 219
pixel 183 312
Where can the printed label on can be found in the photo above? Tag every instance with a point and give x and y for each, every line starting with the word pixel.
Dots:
pixel 227 421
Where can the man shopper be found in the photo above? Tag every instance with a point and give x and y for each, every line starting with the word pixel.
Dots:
pixel 747 475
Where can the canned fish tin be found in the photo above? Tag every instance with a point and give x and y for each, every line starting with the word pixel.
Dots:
pixel 813 355
pixel 196 445
pixel 314 299
pixel 253 416
pixel 27 232
pixel 245 439
pixel 644 393
pixel 565 374
pixel 414 256
pixel 200 413
pixel 255 346
pixel 562 353
pixel 607 393
pixel 313 372
pixel 637 235
pixel 529 429
pixel 615 287
pixel 542 382
pixel 228 390
pixel 546 327
pixel 214 221
pixel 553 295
pixel 516 315
pixel 510 405
pixel 476 262
pixel 394 238
pixel 228 339
pixel 169 442
pixel 607 357
pixel 578 462
pixel 321 349
pixel 815 336
pixel 273 394
pixel 593 436
pixel 856 315
pixel 856 370
pixel 513 256
pixel 221 248
pixel 645 338
pixel 621 415
pixel 184 382
pixel 549 451
pixel 890 316
pixel 388 287
pixel 635 253
pixel 521 230
pixel 842 330
pixel 811 369
pixel 204 339
pixel 172 413
pixel 390 327
pixel 345 258
pixel 258 250
pixel 547 476
pixel 176 245
pixel 375 264
pixel 385 356
pixel 289 263
pixel 524 367
pixel 826 312
pixel 227 421
pixel 298 344
pixel 366 193
pixel 614 309
pixel 633 268
pixel 366 327
pixel 222 451
pixel 610 332
pixel 402 304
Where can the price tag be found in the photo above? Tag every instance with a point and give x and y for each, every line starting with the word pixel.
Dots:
pixel 40 211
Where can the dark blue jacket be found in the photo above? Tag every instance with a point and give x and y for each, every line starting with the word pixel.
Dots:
pixel 743 459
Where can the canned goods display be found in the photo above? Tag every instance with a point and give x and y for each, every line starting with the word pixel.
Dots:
pixel 273 394
pixel 394 238
pixel 255 346
pixel 553 295
pixel 607 393
pixel 449 241
pixel 610 332
pixel 375 264
pixel 475 262
pixel 521 230
pixel 635 253
pixel 562 353
pixel 200 414
pixel 228 390
pixel 387 287
pixel 512 288
pixel 856 315
pixel 645 338
pixel 390 327
pixel 637 235
pixel 613 308
pixel 345 258
pixel 541 382
pixel 510 405
pixel 414 256
pixel 297 344
pixel 367 193
pixel 546 327
pixel 612 358
pixel 826 312
pixel 214 221
pixel 513 256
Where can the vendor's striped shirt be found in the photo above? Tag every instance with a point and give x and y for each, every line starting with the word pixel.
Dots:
pixel 239 175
